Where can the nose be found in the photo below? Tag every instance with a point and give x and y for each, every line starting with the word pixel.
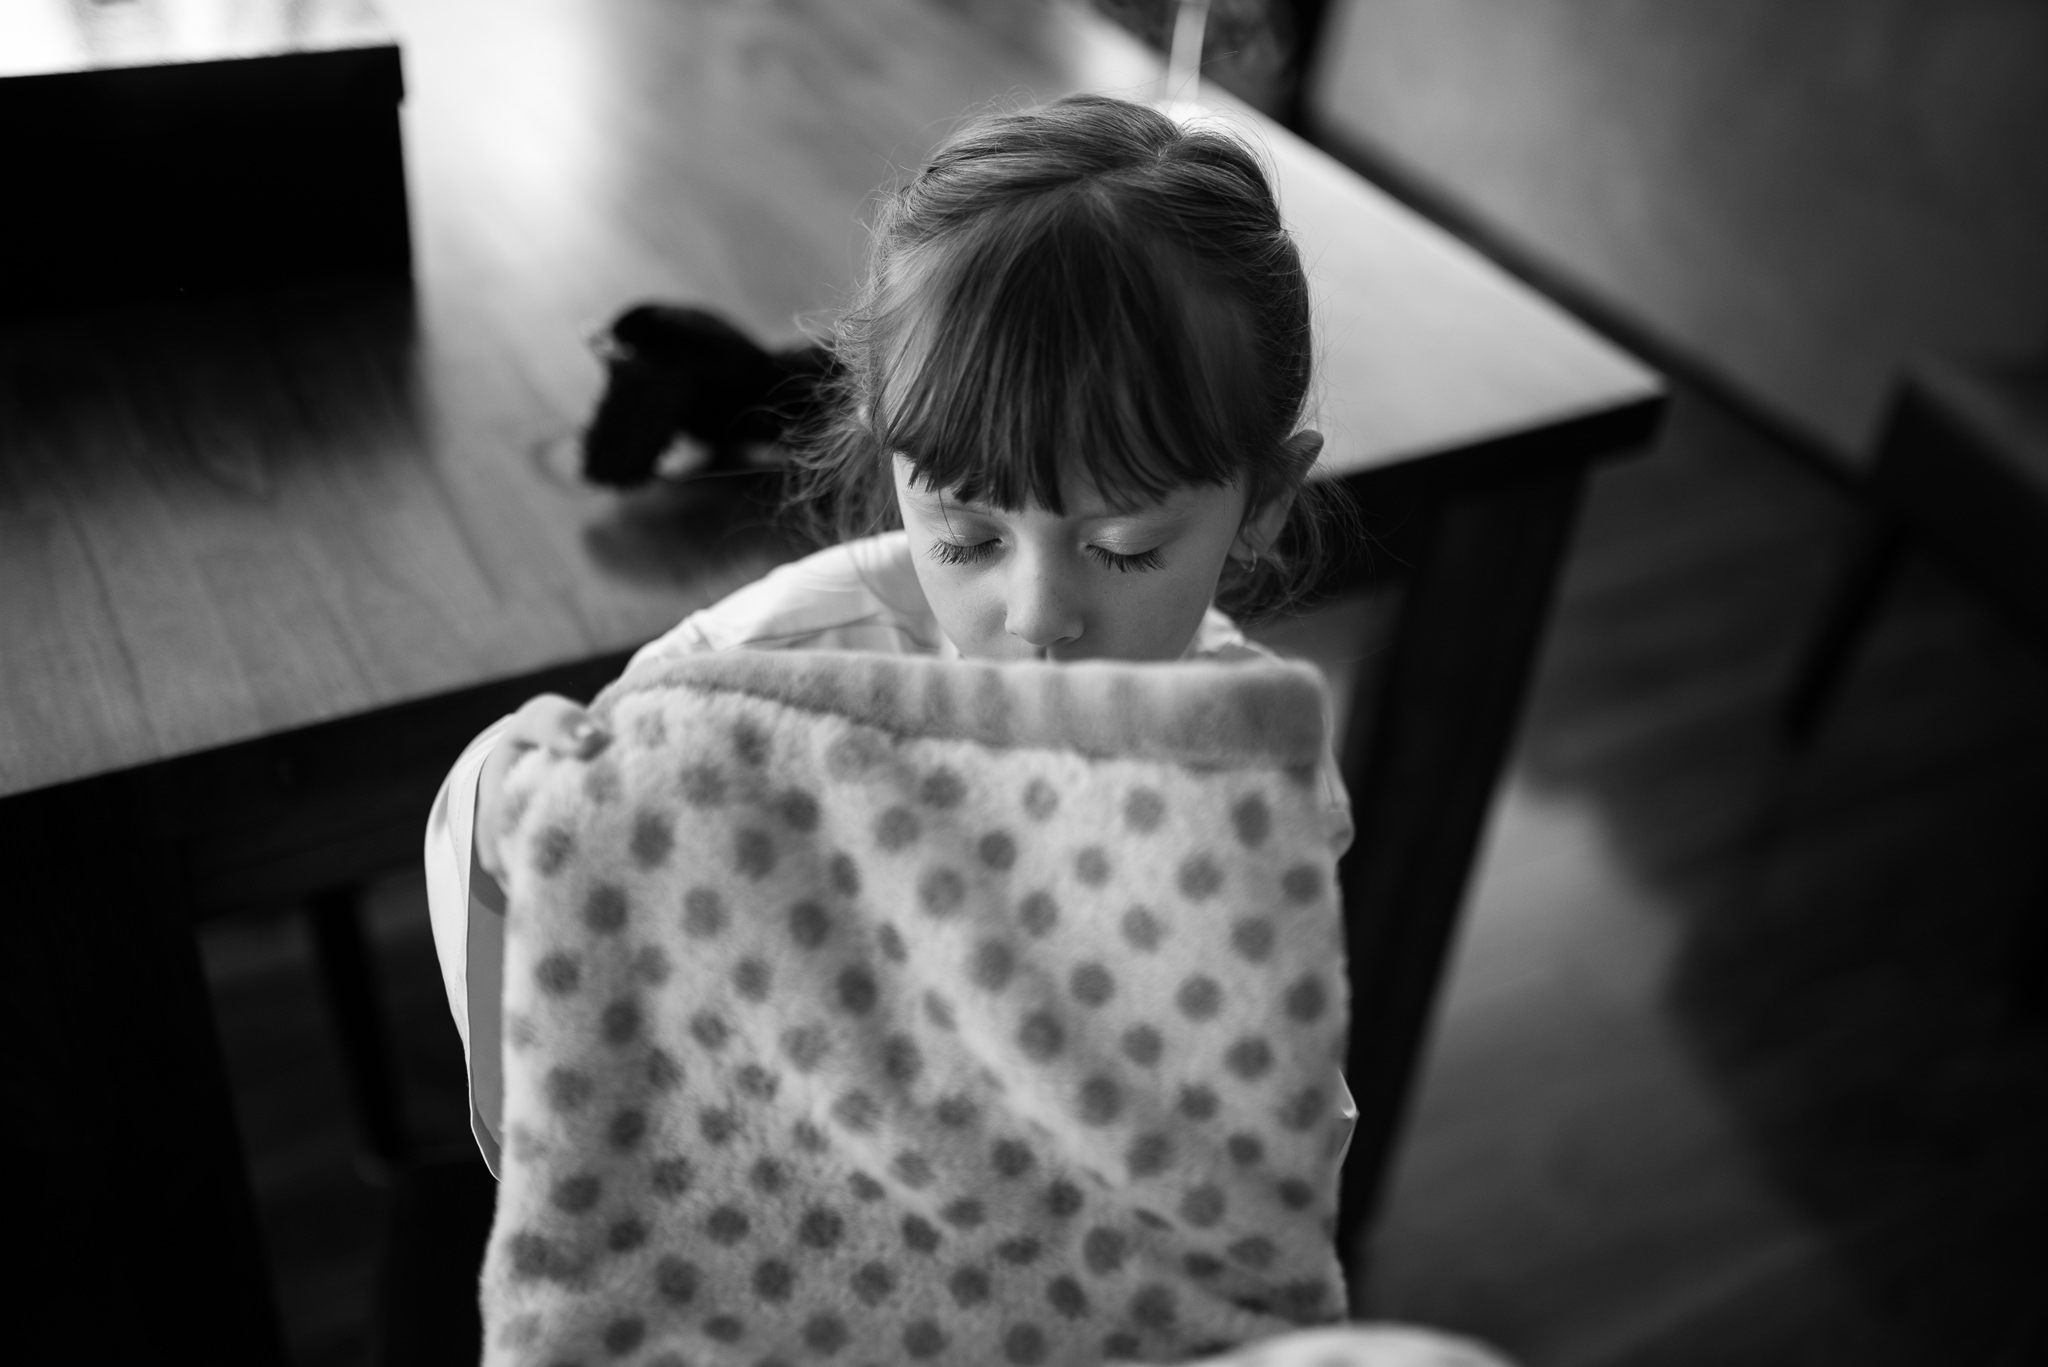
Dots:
pixel 1040 608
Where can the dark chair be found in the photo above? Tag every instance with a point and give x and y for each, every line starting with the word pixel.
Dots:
pixel 438 1202
pixel 345 963
pixel 436 1223
pixel 1962 471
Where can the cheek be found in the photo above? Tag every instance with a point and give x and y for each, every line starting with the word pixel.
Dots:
pixel 1195 591
pixel 957 599
pixel 1201 568
pixel 1156 618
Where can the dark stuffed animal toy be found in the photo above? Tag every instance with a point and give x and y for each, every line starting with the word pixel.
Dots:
pixel 684 372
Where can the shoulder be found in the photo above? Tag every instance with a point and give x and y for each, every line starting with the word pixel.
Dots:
pixel 858 595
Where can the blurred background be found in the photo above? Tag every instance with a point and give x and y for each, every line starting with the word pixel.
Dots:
pixel 1743 1052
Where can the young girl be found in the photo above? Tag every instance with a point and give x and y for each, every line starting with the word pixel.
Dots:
pixel 1076 380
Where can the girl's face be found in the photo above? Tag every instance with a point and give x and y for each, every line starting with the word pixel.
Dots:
pixel 1093 584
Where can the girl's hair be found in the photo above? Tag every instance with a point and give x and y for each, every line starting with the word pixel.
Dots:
pixel 1085 286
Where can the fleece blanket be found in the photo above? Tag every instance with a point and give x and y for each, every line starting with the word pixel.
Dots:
pixel 885 1010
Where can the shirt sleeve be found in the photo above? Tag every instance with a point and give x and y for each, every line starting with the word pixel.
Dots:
pixel 1337 807
pixel 686 637
pixel 467 913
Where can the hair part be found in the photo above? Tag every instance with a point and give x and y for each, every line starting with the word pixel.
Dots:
pixel 1084 287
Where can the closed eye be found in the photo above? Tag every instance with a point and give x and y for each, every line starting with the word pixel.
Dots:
pixel 975 552
pixel 1124 564
pixel 963 552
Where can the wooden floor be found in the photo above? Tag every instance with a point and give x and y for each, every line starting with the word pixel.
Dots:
pixel 1735 1063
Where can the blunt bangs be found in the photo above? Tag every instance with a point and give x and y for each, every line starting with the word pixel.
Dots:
pixel 1050 344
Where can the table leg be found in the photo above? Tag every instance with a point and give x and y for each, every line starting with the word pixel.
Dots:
pixel 1866 572
pixel 1422 764
pixel 348 980
pixel 131 1215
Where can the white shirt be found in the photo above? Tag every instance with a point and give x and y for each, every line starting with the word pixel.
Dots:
pixel 861 595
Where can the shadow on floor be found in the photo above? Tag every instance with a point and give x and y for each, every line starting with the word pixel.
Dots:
pixel 1859 958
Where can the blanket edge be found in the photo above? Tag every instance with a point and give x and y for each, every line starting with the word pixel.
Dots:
pixel 1204 714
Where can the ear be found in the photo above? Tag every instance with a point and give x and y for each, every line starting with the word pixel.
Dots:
pixel 1261 525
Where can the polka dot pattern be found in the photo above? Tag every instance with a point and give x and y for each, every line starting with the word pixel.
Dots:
pixel 1199 878
pixel 896 828
pixel 1199 998
pixel 1039 914
pixel 1144 809
pixel 836 1042
pixel 1041 1036
pixel 1142 928
pixel 558 974
pixel 1092 984
pixel 652 839
pixel 998 850
pixel 1091 866
pixel 604 911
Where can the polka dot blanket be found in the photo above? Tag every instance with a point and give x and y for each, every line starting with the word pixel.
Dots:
pixel 877 1010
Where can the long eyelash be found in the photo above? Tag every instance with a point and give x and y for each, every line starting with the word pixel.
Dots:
pixel 959 553
pixel 1124 564
pixel 973 553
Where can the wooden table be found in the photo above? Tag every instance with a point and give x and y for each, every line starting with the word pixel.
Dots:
pixel 190 144
pixel 266 564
